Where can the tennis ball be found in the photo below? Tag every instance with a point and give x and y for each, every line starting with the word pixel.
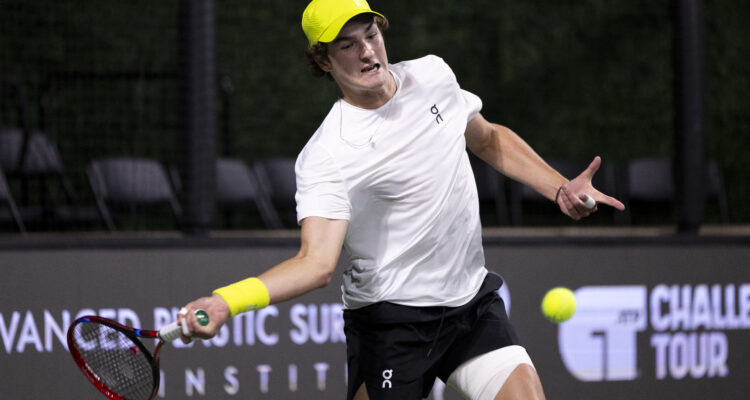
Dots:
pixel 559 304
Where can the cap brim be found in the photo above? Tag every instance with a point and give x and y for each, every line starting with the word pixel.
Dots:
pixel 330 34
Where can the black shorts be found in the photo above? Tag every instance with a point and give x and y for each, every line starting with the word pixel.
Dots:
pixel 398 351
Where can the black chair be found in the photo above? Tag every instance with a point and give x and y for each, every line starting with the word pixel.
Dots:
pixel 649 185
pixel 237 187
pixel 716 191
pixel 31 157
pixel 523 197
pixel 491 192
pixel 7 199
pixel 278 183
pixel 122 182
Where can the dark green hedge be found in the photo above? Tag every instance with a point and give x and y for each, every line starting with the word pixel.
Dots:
pixel 575 78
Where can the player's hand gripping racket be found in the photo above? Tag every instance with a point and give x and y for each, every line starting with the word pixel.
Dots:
pixel 114 359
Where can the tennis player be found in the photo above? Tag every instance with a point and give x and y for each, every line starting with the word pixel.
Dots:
pixel 387 176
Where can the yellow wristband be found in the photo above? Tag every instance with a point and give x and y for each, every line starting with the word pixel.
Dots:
pixel 247 295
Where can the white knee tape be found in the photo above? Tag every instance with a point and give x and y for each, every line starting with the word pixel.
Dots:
pixel 482 377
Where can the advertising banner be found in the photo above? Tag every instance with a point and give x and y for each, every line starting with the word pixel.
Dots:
pixel 653 321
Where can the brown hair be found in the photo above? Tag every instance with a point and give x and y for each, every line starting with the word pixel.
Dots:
pixel 319 50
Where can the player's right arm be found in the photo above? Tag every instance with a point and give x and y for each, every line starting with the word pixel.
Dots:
pixel 312 268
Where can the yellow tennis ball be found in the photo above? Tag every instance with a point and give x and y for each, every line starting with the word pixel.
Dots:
pixel 559 304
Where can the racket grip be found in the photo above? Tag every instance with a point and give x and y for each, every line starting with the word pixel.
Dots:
pixel 170 332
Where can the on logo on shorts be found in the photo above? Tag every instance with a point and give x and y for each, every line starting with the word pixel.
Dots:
pixel 387 375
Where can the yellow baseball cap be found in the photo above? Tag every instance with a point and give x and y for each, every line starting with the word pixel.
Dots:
pixel 323 19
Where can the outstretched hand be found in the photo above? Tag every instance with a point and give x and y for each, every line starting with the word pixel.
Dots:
pixel 572 195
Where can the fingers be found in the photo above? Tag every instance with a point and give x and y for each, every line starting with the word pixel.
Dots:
pixel 575 207
pixel 574 194
pixel 189 324
pixel 185 328
pixel 589 202
pixel 185 333
pixel 216 312
pixel 579 206
pixel 611 201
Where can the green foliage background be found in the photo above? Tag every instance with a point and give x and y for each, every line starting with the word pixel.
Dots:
pixel 574 78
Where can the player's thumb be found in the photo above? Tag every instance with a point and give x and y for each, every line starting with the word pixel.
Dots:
pixel 592 168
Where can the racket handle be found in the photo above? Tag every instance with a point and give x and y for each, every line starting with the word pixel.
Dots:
pixel 172 331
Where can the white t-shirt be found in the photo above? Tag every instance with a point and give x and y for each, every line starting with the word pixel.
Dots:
pixel 401 176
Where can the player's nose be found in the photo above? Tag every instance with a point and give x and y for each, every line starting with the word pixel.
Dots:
pixel 366 51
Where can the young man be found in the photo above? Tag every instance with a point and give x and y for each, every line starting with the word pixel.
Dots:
pixel 387 176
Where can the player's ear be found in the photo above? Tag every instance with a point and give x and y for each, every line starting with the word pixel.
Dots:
pixel 323 63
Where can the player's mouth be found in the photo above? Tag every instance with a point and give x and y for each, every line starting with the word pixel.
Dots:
pixel 371 68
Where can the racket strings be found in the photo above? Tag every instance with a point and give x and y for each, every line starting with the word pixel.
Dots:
pixel 116 360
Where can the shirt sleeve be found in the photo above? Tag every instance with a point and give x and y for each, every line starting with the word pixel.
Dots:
pixel 472 104
pixel 321 190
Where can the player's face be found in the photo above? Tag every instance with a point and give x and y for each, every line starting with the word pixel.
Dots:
pixel 359 64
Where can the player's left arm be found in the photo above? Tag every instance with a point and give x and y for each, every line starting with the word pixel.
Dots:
pixel 508 153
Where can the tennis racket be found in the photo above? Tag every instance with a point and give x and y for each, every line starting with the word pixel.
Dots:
pixel 114 359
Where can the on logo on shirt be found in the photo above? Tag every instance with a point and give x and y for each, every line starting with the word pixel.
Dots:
pixel 436 112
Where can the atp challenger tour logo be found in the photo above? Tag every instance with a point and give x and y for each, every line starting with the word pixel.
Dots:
pixel 687 334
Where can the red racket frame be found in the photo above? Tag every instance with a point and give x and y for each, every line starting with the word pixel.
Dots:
pixel 133 334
